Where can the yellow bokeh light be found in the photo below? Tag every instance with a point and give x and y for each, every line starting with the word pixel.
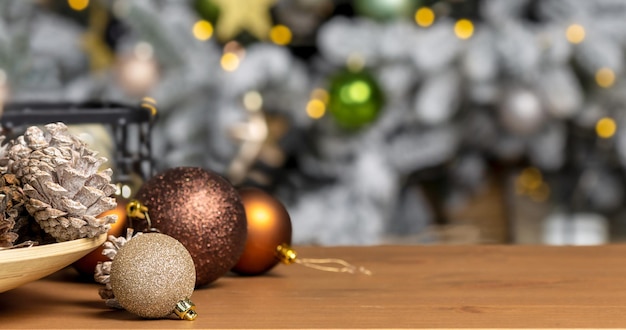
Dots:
pixel 606 127
pixel 320 94
pixel 605 77
pixel 78 5
pixel 575 33
pixel 202 30
pixel 229 62
pixel 464 29
pixel 424 17
pixel 315 109
pixel 530 179
pixel 280 35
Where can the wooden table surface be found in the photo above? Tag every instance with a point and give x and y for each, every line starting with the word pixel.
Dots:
pixel 412 287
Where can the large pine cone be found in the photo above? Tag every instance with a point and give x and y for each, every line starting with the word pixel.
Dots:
pixel 60 177
pixel 11 208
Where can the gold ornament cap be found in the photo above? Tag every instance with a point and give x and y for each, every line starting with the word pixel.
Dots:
pixel 286 254
pixel 186 310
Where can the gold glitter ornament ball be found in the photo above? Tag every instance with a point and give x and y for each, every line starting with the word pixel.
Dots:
pixel 151 273
pixel 201 210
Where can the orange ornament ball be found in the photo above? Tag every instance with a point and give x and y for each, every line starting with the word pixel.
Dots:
pixel 87 264
pixel 269 226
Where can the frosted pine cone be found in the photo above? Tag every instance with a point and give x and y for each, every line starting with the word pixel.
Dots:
pixel 11 208
pixel 60 177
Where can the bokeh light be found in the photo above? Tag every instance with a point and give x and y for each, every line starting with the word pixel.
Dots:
pixel 530 183
pixel 355 62
pixel 253 101
pixel 529 179
pixel 424 17
pixel 316 108
pixel 464 29
pixel 202 30
pixel 280 35
pixel 138 75
pixel 78 5
pixel 229 62
pixel 541 194
pixel 575 33
pixel 606 127
pixel 605 77
pixel 355 92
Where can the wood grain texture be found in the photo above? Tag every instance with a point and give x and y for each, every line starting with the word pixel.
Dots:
pixel 492 287
pixel 23 265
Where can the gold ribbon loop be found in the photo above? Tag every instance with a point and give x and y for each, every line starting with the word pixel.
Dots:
pixel 135 209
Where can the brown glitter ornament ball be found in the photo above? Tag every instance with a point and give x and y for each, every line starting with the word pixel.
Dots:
pixel 150 274
pixel 269 226
pixel 201 210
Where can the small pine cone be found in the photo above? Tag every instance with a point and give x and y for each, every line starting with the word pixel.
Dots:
pixel 11 208
pixel 103 269
pixel 64 189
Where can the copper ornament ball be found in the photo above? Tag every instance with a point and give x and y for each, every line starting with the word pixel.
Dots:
pixel 269 226
pixel 201 210
pixel 87 264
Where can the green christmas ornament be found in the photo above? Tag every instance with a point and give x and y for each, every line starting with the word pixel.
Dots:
pixel 355 99
pixel 207 10
pixel 386 10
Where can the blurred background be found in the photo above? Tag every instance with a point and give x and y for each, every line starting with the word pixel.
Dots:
pixel 373 121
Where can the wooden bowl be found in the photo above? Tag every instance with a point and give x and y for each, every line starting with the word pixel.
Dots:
pixel 22 265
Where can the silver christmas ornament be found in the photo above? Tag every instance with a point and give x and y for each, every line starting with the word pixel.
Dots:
pixel 520 111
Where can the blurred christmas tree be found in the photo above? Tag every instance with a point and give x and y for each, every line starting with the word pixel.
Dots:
pixel 369 118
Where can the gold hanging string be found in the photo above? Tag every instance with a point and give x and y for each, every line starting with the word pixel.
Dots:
pixel 342 266
pixel 135 209
pixel 288 256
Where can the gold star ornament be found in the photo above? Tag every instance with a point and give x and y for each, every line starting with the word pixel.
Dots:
pixel 236 16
